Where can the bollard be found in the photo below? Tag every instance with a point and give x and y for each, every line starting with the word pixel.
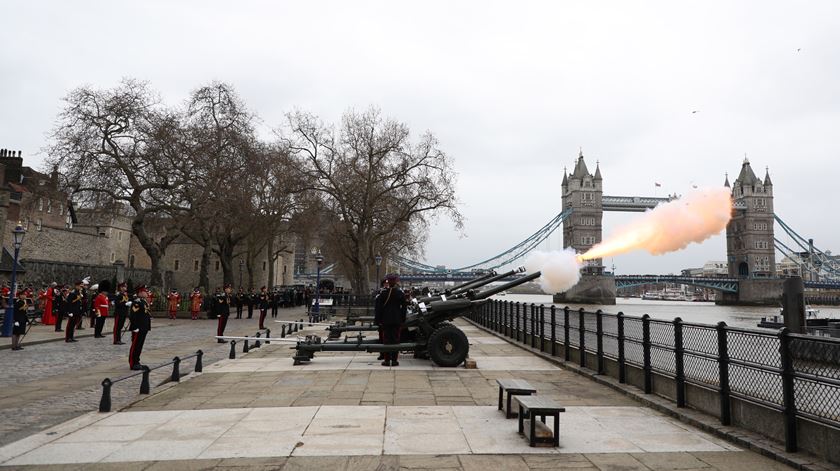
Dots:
pixel 267 336
pixel 105 402
pixel 300 325
pixel 144 383
pixel 198 365
pixel 232 350
pixel 283 331
pixel 245 348
pixel 176 370
pixel 257 342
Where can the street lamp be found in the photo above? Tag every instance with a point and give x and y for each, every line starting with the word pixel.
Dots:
pixel 378 260
pixel 316 252
pixel 18 232
pixel 241 262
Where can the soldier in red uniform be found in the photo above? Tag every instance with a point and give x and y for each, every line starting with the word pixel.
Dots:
pixel 195 303
pixel 173 300
pixel 100 308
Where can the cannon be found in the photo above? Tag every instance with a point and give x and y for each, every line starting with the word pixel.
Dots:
pixel 465 290
pixel 428 332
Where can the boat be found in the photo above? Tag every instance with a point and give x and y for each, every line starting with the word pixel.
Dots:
pixel 812 319
pixel 502 293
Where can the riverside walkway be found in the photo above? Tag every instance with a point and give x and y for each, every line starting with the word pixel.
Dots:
pixel 345 411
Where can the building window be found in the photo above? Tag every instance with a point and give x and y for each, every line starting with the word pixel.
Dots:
pixel 177 264
pixel 131 261
pixel 61 210
pixel 195 265
pixel 119 235
pixel 586 197
pixel 38 225
pixel 761 244
pixel 264 265
pixel 49 206
pixel 40 204
pixel 113 257
pixel 217 265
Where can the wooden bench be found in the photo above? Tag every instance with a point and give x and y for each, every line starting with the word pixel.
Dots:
pixel 513 387
pixel 538 433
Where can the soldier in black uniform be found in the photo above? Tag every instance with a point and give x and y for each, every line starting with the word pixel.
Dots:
pixel 252 299
pixel 240 301
pixel 275 301
pixel 21 322
pixel 221 306
pixel 390 311
pixel 58 306
pixel 263 300
pixel 121 304
pixel 140 323
pixel 74 311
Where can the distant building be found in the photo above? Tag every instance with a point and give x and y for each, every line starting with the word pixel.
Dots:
pixel 582 193
pixel 749 234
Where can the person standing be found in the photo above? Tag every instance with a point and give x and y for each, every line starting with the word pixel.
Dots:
pixel 74 311
pixel 100 306
pixel 173 300
pixel 20 322
pixel 390 309
pixel 140 323
pixel 121 305
pixel 240 302
pixel 195 303
pixel 275 301
pixel 264 299
pixel 252 300
pixel 221 306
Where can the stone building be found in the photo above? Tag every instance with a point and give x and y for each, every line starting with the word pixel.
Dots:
pixel 749 234
pixel 582 193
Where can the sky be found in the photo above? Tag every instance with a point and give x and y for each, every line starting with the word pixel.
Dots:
pixel 511 89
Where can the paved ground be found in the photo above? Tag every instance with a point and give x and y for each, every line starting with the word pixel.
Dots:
pixel 344 411
pixel 48 383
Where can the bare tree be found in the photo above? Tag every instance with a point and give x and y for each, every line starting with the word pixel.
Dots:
pixel 380 189
pixel 116 144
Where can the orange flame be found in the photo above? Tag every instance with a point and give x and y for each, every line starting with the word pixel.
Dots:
pixel 670 226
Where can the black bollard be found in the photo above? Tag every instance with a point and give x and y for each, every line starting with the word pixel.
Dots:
pixel 198 365
pixel 257 342
pixel 144 383
pixel 283 331
pixel 176 370
pixel 232 350
pixel 300 325
pixel 267 336
pixel 245 348
pixel 105 402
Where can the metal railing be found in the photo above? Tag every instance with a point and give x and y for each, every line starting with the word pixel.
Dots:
pixel 797 375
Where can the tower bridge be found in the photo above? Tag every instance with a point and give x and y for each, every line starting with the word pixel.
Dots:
pixel 751 244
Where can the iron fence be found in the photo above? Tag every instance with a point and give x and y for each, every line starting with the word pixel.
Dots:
pixel 795 374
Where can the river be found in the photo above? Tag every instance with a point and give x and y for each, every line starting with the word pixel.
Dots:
pixel 700 312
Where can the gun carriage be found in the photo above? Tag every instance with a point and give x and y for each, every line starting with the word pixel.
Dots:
pixel 428 331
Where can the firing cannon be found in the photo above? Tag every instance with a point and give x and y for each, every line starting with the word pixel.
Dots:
pixel 429 332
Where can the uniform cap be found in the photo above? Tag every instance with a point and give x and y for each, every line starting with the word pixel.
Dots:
pixel 142 289
pixel 392 278
pixel 227 285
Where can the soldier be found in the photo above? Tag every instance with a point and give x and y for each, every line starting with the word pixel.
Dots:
pixel 140 323
pixel 195 303
pixel 100 306
pixel 252 299
pixel 73 310
pixel 86 305
pixel 275 302
pixel 21 322
pixel 264 299
pixel 221 306
pixel 173 300
pixel 55 304
pixel 121 303
pixel 240 301
pixel 390 310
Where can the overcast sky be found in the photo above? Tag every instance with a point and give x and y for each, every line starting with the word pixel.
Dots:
pixel 511 89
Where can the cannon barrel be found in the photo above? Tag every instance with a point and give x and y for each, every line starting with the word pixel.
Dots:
pixel 498 289
pixel 463 290
pixel 469 284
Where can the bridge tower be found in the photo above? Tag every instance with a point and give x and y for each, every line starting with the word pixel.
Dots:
pixel 750 246
pixel 583 193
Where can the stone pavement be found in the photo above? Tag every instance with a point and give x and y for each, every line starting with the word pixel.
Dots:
pixel 345 411
pixel 48 383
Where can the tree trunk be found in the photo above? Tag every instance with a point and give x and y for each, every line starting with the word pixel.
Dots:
pixel 151 248
pixel 226 258
pixel 203 275
pixel 271 259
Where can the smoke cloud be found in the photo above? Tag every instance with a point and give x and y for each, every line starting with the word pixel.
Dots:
pixel 671 226
pixel 560 269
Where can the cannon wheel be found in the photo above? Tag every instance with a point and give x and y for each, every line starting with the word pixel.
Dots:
pixel 448 346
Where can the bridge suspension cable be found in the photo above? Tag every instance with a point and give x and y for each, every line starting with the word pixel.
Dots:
pixel 507 257
pixel 818 262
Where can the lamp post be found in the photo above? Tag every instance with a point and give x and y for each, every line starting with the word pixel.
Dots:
pixel 378 260
pixel 241 262
pixel 317 309
pixel 18 232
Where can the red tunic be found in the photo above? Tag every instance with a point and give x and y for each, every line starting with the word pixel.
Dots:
pixel 195 302
pixel 100 304
pixel 174 300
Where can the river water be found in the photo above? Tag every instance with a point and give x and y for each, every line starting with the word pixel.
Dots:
pixel 700 312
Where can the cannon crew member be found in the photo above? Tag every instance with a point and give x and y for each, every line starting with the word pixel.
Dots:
pixel 389 311
pixel 121 306
pixel 140 323
pixel 74 311
pixel 221 306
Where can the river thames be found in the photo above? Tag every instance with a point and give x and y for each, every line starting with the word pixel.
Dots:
pixel 700 312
